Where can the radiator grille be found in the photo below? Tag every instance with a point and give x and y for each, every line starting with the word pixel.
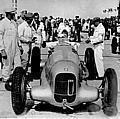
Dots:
pixel 65 87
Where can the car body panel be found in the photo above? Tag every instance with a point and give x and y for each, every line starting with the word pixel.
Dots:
pixel 62 79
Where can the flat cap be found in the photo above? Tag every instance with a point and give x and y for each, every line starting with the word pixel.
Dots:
pixel 29 15
pixel 96 19
pixel 10 9
pixel 23 13
pixel 76 16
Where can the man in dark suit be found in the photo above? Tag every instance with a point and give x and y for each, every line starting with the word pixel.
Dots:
pixel 36 21
pixel 77 26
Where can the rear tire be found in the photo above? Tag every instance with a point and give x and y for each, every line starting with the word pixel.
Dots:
pixel 110 93
pixel 18 92
pixel 90 64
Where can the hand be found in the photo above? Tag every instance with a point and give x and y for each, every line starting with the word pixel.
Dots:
pixel 4 54
pixel 51 48
pixel 43 44
pixel 34 38
pixel 87 41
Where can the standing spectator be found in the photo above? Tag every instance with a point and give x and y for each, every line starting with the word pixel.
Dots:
pixel 98 43
pixel 25 36
pixel 9 44
pixel 35 22
pixel 38 27
pixel 54 29
pixel 77 25
pixel 64 26
pixel 45 20
pixel 85 26
pixel 91 28
pixel 83 22
pixel 113 27
pixel 1 17
pixel 21 18
pixel 71 28
pixel 106 26
pixel 41 29
pixel 39 34
pixel 49 28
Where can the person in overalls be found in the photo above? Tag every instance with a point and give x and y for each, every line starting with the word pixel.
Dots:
pixel 9 44
pixel 98 44
pixel 25 36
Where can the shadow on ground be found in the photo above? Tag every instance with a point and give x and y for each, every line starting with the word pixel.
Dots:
pixel 89 107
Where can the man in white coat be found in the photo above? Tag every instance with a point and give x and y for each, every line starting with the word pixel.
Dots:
pixel 98 43
pixel 25 35
pixel 9 44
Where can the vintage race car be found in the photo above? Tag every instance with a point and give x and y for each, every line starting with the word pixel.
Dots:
pixel 63 81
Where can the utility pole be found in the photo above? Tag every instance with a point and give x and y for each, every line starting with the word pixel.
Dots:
pixel 14 4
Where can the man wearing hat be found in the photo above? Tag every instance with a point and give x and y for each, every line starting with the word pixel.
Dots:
pixel 98 43
pixel 38 27
pixel 77 28
pixel 64 26
pixel 8 43
pixel 25 36
pixel 21 17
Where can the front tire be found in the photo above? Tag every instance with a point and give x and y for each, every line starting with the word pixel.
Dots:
pixel 35 63
pixel 18 93
pixel 110 92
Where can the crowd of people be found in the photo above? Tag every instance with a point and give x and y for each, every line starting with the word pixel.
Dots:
pixel 18 32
